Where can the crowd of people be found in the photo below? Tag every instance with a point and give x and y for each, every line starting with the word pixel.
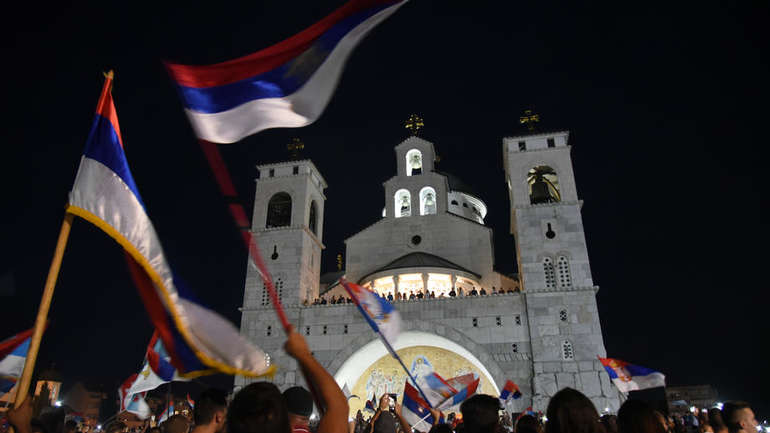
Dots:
pixel 419 294
pixel 260 407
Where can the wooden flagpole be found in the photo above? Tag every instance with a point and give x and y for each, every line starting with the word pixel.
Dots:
pixel 42 313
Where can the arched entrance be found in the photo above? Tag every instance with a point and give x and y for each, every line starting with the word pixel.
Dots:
pixel 371 370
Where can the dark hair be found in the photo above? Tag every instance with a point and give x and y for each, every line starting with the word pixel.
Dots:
pixel 480 413
pixel 115 427
pixel 636 416
pixel 715 418
pixel 258 408
pixel 175 424
pixel 299 401
pixel 441 428
pixel 610 423
pixel 730 412
pixel 209 402
pixel 70 425
pixel 569 411
pixel 528 423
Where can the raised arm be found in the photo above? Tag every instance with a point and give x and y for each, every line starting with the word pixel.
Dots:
pixel 335 419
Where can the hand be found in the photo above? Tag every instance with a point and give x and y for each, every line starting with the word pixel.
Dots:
pixel 435 413
pixel 21 417
pixel 398 409
pixel 296 346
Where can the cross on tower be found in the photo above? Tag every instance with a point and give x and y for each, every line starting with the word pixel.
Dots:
pixel 529 119
pixel 294 147
pixel 414 123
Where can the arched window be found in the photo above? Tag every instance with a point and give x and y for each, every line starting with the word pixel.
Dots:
pixel 565 279
pixel 427 201
pixel 313 219
pixel 279 210
pixel 567 353
pixel 403 203
pixel 550 275
pixel 543 185
pixel 413 162
pixel 454 202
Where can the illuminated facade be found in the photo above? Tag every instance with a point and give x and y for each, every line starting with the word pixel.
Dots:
pixel 430 247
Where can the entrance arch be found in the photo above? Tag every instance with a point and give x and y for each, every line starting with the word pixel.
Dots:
pixel 373 360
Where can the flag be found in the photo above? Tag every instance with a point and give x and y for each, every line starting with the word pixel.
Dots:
pixel 157 368
pixel 378 312
pixel 463 392
pixel 198 340
pixel 133 402
pixel 630 377
pixel 168 412
pixel 414 408
pixel 13 354
pixel 287 85
pixel 510 390
pixel 437 389
pixel 190 401
pixel 370 405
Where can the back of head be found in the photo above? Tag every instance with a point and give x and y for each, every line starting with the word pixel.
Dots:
pixel 569 411
pixel 731 413
pixel 258 408
pixel 610 423
pixel 209 403
pixel 528 423
pixel 70 426
pixel 441 428
pixel 176 424
pixel 480 413
pixel 299 401
pixel 115 427
pixel 715 418
pixel 636 416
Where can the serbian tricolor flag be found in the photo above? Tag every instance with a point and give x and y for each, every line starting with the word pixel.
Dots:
pixel 414 408
pixel 13 354
pixel 130 402
pixel 629 377
pixel 286 85
pixel 198 340
pixel 157 368
pixel 510 390
pixel 190 401
pixel 466 385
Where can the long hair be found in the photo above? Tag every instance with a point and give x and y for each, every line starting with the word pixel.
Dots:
pixel 636 416
pixel 569 411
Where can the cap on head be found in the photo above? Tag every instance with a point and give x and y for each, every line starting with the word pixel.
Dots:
pixel 299 401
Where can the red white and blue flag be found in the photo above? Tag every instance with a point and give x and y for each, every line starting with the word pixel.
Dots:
pixel 198 340
pixel 378 312
pixel 190 401
pixel 437 390
pixel 168 412
pixel 466 385
pixel 157 368
pixel 414 408
pixel 510 390
pixel 133 402
pixel 287 85
pixel 629 377
pixel 13 354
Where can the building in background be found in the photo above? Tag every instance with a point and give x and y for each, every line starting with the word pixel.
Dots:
pixel 682 398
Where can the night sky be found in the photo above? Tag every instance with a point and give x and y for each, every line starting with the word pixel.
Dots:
pixel 664 104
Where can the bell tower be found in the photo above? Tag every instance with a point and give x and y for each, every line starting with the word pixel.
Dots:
pixel 287 223
pixel 554 270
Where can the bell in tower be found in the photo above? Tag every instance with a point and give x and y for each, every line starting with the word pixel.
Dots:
pixel 405 206
pixel 543 185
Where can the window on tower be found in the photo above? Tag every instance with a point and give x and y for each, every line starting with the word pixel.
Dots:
pixel 403 203
pixel 427 201
pixel 543 185
pixel 279 210
pixel 567 353
pixel 413 162
pixel 522 146
pixel 565 277
pixel 550 274
pixel 551 142
pixel 313 219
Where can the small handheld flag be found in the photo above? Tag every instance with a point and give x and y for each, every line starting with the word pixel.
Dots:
pixel 414 408
pixel 510 390
pixel 13 354
pixel 190 401
pixel 629 377
pixel 198 340
pixel 287 85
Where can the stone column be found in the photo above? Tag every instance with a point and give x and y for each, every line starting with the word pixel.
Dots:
pixel 425 284
pixel 395 282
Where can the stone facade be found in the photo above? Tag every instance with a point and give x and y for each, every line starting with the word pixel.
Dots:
pixel 546 338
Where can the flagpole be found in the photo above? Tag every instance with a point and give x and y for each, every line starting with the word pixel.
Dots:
pixel 42 313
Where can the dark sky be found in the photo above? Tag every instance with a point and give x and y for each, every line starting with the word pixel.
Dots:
pixel 664 103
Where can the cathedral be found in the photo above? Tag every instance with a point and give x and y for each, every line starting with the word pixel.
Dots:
pixel 432 253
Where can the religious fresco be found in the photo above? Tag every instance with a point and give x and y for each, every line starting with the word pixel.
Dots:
pixel 386 375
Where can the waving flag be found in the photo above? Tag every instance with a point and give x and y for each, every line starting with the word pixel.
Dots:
pixel 510 390
pixel 630 377
pixel 157 368
pixel 414 408
pixel 283 86
pixel 198 340
pixel 13 354
pixel 378 312
pixel 436 389
pixel 168 412
pixel 465 389
pixel 133 402
pixel 190 401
